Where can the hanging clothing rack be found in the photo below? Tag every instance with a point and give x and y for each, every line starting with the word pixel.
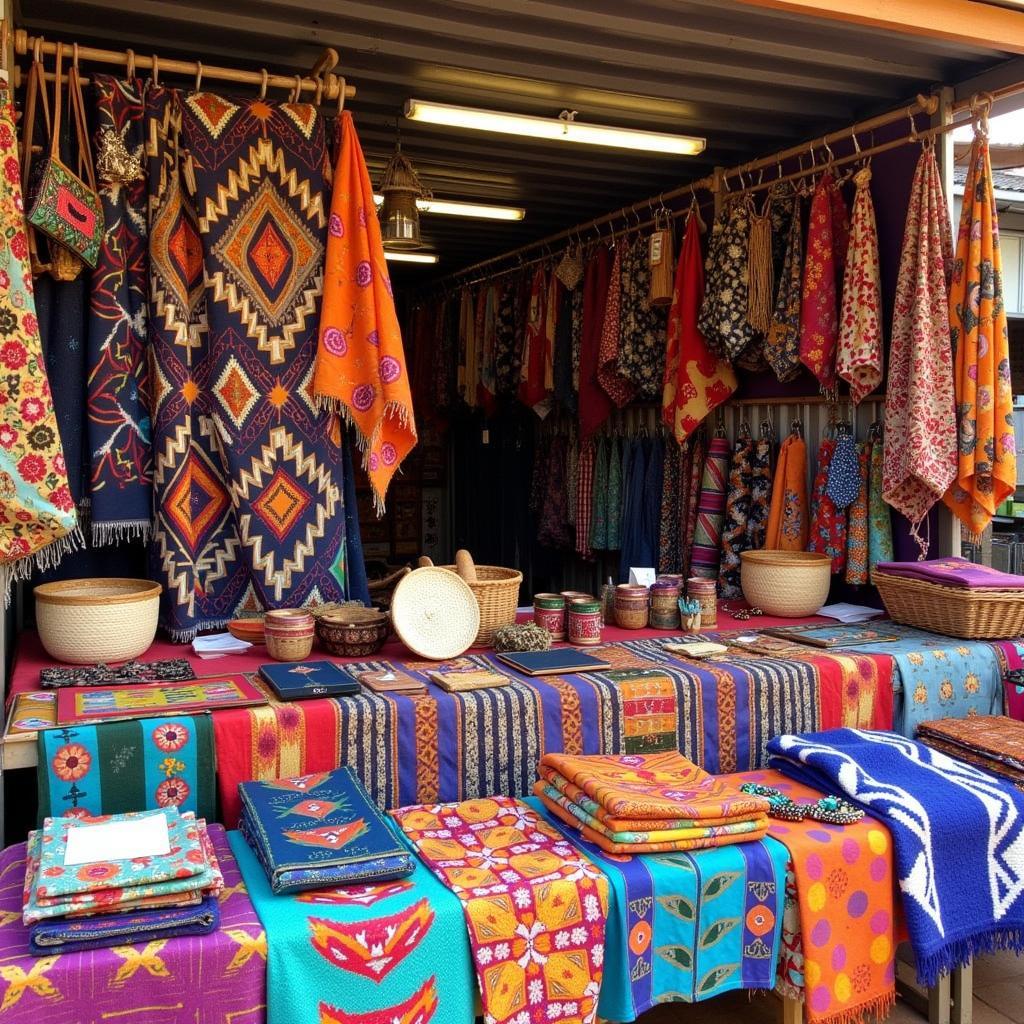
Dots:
pixel 320 80
pixel 712 183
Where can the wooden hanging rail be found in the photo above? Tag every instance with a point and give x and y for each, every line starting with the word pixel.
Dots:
pixel 330 83
pixel 920 105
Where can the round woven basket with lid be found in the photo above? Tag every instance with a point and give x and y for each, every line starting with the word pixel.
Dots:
pixel 435 614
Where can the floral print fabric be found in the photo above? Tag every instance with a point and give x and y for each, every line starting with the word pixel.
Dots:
pixel 37 511
pixel 535 906
pixel 787 516
pixel 599 513
pixel 987 460
pixel 920 440
pixel 698 450
pixel 827 234
pixel 696 380
pixel 859 354
pixel 828 524
pixel 857 524
pixel 760 489
pixel 880 547
pixel 641 359
pixel 737 511
pixel 668 540
pixel 782 345
pixel 620 390
pixel 723 313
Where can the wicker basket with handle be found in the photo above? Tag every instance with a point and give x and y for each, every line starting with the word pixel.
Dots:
pixel 496 591
pixel 973 614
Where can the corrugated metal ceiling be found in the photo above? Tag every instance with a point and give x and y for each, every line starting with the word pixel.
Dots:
pixel 750 80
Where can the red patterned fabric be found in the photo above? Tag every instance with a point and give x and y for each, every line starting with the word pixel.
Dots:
pixel 616 387
pixel 828 524
pixel 584 497
pixel 595 405
pixel 531 374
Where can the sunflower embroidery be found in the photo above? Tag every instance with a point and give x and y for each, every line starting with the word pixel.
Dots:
pixel 71 762
pixel 170 736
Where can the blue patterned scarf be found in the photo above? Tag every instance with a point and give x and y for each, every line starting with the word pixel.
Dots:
pixel 957 836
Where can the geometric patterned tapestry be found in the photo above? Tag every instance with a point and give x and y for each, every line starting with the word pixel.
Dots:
pixel 247 471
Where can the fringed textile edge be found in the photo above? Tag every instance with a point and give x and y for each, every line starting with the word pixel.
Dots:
pixel 186 636
pixel 48 557
pixel 116 533
pixel 960 952
pixel 878 1008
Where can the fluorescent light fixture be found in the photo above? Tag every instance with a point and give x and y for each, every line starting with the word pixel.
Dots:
pixel 410 257
pixel 559 129
pixel 452 208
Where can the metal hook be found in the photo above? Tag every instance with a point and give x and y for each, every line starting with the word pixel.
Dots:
pixel 828 149
pixel 130 54
pixel 341 95
pixel 856 143
pixel 263 83
pixel 296 92
pixel 199 75
pixel 319 91
pixel 156 69
pixel 913 126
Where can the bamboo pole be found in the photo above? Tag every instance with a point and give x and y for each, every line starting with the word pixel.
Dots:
pixel 330 84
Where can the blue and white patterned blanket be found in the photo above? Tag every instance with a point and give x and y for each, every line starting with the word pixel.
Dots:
pixel 958 836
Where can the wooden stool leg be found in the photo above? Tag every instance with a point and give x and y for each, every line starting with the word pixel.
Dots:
pixel 793 1011
pixel 963 995
pixel 938 1001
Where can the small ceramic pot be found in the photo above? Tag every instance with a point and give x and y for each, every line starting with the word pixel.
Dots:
pixel 631 605
pixel 288 633
pixel 664 605
pixel 549 613
pixel 352 633
pixel 705 591
pixel 585 622
pixel 608 604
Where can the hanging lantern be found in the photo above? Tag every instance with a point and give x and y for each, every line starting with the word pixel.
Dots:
pixel 399 217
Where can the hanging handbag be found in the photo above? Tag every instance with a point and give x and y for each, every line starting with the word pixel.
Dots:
pixel 62 205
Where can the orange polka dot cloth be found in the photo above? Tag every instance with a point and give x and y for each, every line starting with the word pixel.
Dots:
pixel 844 884
pixel 360 363
pixel 536 908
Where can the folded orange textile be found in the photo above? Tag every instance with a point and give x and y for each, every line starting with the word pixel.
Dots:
pixel 360 362
pixel 614 824
pixel 664 785
pixel 608 846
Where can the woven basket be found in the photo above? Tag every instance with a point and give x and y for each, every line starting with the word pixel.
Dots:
pixel 789 584
pixel 93 621
pixel 496 591
pixel 952 611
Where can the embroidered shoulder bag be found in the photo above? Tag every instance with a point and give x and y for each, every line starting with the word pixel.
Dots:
pixel 62 205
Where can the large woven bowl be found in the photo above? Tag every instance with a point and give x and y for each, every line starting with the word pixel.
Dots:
pixel 352 632
pixel 93 621
pixel 435 614
pixel 789 584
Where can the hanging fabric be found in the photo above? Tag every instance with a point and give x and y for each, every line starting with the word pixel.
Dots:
pixel 484 384
pixel 819 314
pixel 843 484
pixel 782 344
pixel 828 524
pixel 857 524
pixel 616 387
pixel 760 268
pixel 594 404
pixel 760 488
pixel 688 528
pixel 599 512
pixel 479 344
pixel 532 392
pixel 584 496
pixel 565 393
pixel 696 380
pixel 467 326
pixel 668 540
pixel 553 528
pixel 707 537
pixel 572 469
pixel 737 512
pixel 880 548
pixel 723 314
pixel 920 460
pixel 987 460
pixel 506 359
pixel 577 336
pixel 654 483
pixel 119 432
pixel 615 457
pixel 36 507
pixel 787 517
pixel 859 351
pixel 634 478
pixel 640 360
pixel 360 362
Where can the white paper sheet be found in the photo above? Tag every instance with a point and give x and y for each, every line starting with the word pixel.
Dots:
pixel 118 840
pixel 850 613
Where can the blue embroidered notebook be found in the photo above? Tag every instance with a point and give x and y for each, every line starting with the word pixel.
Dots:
pixel 309 679
pixel 320 830
pixel 553 662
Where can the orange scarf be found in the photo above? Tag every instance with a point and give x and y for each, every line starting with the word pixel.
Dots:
pixel 787 516
pixel 360 364
pixel 987 463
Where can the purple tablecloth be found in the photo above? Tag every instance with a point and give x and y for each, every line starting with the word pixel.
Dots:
pixel 954 572
pixel 205 979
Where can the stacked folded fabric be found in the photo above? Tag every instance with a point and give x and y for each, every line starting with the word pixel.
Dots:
pixel 648 803
pixel 954 572
pixel 320 830
pixel 74 900
pixel 992 742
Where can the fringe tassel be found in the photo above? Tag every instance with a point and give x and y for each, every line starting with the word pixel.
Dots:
pixel 116 533
pixel 186 636
pixel 877 1008
pixel 45 558
pixel 760 272
pixel 960 952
